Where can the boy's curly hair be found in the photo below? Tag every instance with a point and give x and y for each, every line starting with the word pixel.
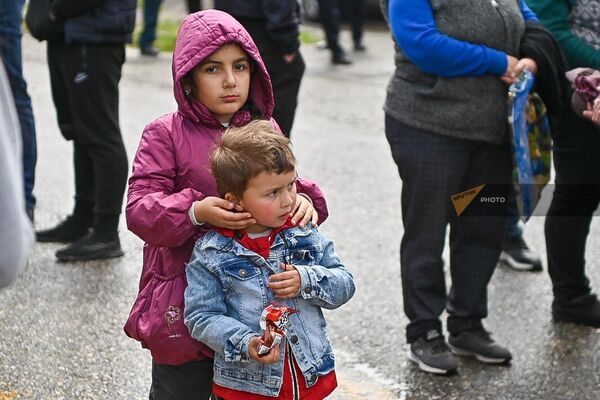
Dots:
pixel 247 151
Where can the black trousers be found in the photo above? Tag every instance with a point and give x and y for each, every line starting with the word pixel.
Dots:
pixel 85 89
pixel 433 168
pixel 189 381
pixel 285 77
pixel 576 145
pixel 330 14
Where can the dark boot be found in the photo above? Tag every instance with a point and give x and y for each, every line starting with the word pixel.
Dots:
pixel 92 246
pixel 70 229
pixel 581 310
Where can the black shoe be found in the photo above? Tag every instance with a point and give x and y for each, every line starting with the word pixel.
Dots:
pixel 518 256
pixel 359 46
pixel 431 354
pixel 478 343
pixel 149 51
pixel 581 310
pixel 91 247
pixel 69 230
pixel 341 58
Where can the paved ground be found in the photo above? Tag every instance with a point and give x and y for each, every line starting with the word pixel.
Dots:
pixel 61 324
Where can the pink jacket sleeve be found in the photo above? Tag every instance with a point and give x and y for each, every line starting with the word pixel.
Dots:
pixel 154 212
pixel 311 189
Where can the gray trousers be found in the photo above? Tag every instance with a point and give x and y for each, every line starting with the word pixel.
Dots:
pixel 433 168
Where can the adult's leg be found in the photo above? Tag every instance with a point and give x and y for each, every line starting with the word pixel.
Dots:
pixel 189 381
pixel 359 14
pixel 61 78
pixel 148 35
pixel 97 129
pixel 476 239
pixel 432 168
pixel 576 197
pixel 330 15
pixel 10 51
pixel 569 215
pixel 194 6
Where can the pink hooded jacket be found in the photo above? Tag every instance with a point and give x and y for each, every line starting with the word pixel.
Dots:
pixel 170 172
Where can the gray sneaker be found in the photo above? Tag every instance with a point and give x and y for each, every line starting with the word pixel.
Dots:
pixel 478 343
pixel 431 354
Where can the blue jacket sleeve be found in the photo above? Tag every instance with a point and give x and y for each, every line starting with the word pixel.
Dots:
pixel 414 28
pixel 328 283
pixel 528 14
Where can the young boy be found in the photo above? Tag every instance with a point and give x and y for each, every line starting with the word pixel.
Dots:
pixel 233 275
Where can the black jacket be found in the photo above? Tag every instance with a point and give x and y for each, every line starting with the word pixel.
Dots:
pixel 82 21
pixel 551 83
pixel 282 19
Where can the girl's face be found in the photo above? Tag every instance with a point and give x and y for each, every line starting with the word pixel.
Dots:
pixel 222 81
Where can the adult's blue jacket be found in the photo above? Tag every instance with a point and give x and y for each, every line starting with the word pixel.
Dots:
pixel 413 26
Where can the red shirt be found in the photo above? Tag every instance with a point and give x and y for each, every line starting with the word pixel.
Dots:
pixel 321 389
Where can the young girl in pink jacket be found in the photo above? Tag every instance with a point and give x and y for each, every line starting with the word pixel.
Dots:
pixel 219 80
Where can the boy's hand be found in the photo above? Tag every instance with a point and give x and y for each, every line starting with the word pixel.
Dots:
pixel 271 357
pixel 303 211
pixel 286 284
pixel 218 212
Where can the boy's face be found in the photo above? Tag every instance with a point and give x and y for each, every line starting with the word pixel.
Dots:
pixel 222 81
pixel 270 198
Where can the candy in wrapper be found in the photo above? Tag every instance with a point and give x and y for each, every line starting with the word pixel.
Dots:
pixel 274 321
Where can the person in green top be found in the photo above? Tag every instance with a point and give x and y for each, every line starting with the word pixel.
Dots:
pixel 576 148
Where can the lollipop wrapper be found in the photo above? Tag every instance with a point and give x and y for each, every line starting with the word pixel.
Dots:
pixel 274 320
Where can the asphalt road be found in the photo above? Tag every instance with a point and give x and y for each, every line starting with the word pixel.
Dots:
pixel 61 323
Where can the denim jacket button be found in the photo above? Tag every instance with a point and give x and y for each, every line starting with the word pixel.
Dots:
pixel 294 339
pixel 242 272
pixel 298 255
pixel 307 290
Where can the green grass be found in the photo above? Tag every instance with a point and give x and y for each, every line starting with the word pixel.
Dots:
pixel 166 34
pixel 308 37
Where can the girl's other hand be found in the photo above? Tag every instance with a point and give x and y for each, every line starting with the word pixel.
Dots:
pixel 304 211
pixel 270 358
pixel 220 213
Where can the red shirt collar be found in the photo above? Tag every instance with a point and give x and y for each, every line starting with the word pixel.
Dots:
pixel 260 245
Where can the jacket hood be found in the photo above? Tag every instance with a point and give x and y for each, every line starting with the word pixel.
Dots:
pixel 200 35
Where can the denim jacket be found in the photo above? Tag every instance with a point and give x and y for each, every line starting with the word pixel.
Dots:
pixel 227 291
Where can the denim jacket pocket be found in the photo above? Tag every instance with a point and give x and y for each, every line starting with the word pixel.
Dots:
pixel 241 271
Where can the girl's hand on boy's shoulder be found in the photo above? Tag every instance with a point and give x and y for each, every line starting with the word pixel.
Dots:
pixel 271 357
pixel 303 212
pixel 285 285
pixel 220 213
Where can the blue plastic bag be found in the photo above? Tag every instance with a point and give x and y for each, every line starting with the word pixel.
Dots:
pixel 531 144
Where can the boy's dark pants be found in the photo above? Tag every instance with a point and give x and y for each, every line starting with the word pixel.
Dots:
pixel 576 145
pixel 85 89
pixel 189 381
pixel 433 168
